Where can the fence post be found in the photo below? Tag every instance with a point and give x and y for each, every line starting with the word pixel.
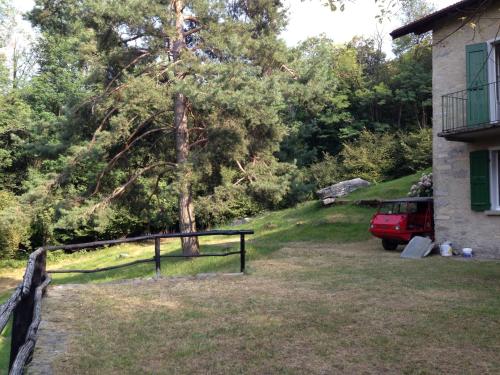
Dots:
pixel 242 252
pixel 23 313
pixel 157 257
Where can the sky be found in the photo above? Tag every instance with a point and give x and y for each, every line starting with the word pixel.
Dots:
pixel 309 18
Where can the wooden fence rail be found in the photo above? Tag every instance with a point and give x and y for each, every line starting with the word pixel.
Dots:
pixel 25 304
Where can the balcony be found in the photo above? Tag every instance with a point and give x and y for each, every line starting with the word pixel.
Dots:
pixel 473 114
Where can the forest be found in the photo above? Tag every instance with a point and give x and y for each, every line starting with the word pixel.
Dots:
pixel 131 117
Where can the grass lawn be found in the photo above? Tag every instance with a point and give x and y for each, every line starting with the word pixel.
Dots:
pixel 306 223
pixel 312 308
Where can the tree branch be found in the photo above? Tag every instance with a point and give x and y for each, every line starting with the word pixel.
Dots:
pixel 240 181
pixel 121 189
pixel 191 18
pixel 199 141
pixel 125 68
pixel 135 37
pixel 99 128
pixel 245 173
pixel 241 167
pixel 113 161
pixel 192 31
pixel 144 123
pixel 292 72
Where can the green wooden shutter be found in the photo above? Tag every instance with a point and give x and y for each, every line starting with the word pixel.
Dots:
pixel 480 180
pixel 478 103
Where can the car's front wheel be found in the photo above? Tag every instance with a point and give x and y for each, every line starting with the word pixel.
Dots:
pixel 389 245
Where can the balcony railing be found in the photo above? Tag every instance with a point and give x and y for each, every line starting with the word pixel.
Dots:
pixel 472 109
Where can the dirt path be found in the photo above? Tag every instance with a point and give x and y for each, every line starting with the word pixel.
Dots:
pixel 58 311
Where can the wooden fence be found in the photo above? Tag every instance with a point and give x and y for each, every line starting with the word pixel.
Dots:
pixel 25 304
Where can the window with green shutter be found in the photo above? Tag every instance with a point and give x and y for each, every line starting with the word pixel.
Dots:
pixel 478 101
pixel 480 180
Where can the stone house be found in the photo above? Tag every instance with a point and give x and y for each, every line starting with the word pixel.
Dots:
pixel 466 135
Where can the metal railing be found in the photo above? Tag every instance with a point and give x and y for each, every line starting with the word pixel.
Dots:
pixel 157 257
pixel 471 109
pixel 25 303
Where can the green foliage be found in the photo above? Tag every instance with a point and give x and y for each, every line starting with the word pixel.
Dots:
pixel 14 225
pixel 319 99
pixel 225 204
pixel 414 152
pixel 339 91
pixel 326 172
pixel 15 120
pixel 376 157
pixel 386 156
pixel 369 157
pixel 271 182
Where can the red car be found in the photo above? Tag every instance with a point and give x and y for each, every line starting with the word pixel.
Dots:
pixel 398 221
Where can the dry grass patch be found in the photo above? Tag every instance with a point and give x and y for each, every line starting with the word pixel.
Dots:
pixel 350 309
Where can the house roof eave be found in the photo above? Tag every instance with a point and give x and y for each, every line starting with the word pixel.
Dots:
pixel 427 23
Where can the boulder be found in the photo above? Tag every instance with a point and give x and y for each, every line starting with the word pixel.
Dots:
pixel 342 188
pixel 328 201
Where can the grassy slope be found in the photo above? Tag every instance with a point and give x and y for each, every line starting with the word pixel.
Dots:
pixel 386 190
pixel 307 222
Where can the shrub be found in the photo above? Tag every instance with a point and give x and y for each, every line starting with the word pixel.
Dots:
pixel 226 203
pixel 423 188
pixel 276 185
pixel 413 152
pixel 370 157
pixel 270 182
pixel 376 157
pixel 326 172
pixel 300 189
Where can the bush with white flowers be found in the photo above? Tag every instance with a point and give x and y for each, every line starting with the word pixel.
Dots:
pixel 423 188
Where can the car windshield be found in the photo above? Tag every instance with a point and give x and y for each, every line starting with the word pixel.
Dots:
pixel 396 208
pixel 386 208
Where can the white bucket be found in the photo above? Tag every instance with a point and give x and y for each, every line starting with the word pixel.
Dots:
pixel 446 250
pixel 467 252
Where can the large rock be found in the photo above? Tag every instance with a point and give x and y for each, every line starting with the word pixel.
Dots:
pixel 342 188
pixel 328 201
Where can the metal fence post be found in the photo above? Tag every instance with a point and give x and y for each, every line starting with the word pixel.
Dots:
pixel 242 252
pixel 157 257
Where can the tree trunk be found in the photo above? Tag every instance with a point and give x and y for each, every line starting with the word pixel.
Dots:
pixel 186 209
pixel 190 245
pixel 400 114
pixel 424 117
pixel 417 116
pixel 14 65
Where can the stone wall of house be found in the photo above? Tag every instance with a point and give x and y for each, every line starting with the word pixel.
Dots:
pixel 454 219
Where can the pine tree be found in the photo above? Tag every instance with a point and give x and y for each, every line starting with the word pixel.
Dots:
pixel 178 89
